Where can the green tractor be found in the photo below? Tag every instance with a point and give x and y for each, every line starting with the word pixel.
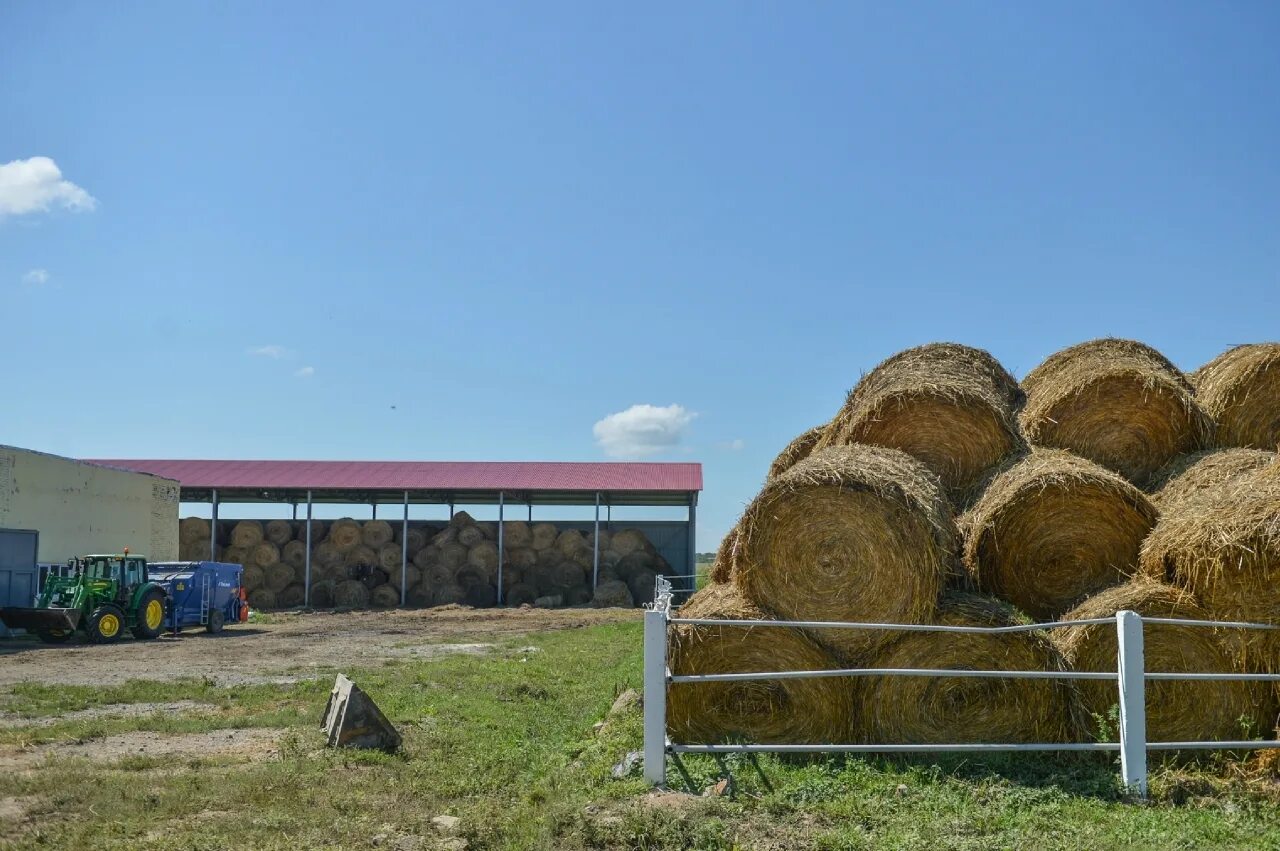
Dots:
pixel 101 595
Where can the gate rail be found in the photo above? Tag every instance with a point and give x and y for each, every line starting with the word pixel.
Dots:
pixel 1130 678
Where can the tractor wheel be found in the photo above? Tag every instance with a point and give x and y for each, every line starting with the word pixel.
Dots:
pixel 148 620
pixel 105 624
pixel 54 636
pixel 216 620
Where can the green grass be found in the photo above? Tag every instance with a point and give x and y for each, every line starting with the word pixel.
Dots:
pixel 505 742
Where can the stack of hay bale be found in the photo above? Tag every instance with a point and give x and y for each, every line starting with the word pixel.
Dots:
pixel 361 565
pixel 945 492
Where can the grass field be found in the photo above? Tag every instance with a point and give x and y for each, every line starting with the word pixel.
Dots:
pixel 505 742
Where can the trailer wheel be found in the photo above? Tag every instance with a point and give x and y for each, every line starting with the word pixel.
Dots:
pixel 54 636
pixel 105 624
pixel 148 620
pixel 216 620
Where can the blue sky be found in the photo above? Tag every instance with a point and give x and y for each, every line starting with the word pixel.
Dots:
pixel 268 224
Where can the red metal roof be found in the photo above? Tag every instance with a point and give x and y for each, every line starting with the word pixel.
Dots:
pixel 423 475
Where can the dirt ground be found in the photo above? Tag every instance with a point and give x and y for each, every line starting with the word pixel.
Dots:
pixel 285 647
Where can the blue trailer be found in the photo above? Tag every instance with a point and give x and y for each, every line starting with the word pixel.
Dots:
pixel 201 593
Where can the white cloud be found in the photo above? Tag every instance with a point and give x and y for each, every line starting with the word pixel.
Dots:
pixel 642 430
pixel 306 372
pixel 36 185
pixel 271 351
pixel 36 278
pixel 735 445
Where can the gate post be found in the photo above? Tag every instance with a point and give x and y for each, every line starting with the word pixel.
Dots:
pixel 655 694
pixel 1133 708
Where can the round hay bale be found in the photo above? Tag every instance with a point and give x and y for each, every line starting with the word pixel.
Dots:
pixel 633 563
pixel 277 576
pixel 612 595
pixel 1177 710
pixel 291 596
pixel 520 594
pixel 419 596
pixel 641 583
pixel 511 576
pixel 415 537
pixel 548 559
pixel 361 556
pixel 515 534
pixel 246 534
pixel 627 541
pixel 252 578
pixel 605 539
pixel 1053 529
pixel 953 407
pixel 585 559
pixel 372 577
pixel 446 535
pixel 350 594
pixel 488 528
pixel 376 534
pixel 568 573
pixel 327 554
pixel 318 530
pixel 1223 545
pixel 322 594
pixel 233 555
pixel 294 553
pixel 1240 389
pixel 1118 403
pixel 453 555
pixel 1188 475
pixel 920 710
pixel 399 577
pixel 578 595
pixel 427 556
pixel 345 534
pixel 482 595
pixel 278 532
pixel 262 599
pixel 571 541
pixel 521 558
pixel 762 711
pixel 484 555
pixel 797 450
pixel 470 536
pixel 390 557
pixel 543 536
pixel 384 597
pixel 851 533
pixel 193 529
pixel 609 558
pixel 436 575
pixel 447 595
pixel 196 549
pixel 470 574
pixel 264 553
pixel 722 568
pixel 542 577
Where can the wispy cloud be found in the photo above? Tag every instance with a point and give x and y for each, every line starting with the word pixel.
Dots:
pixel 271 351
pixel 306 372
pixel 735 445
pixel 36 277
pixel 642 430
pixel 35 185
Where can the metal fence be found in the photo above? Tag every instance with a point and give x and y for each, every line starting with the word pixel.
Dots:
pixel 1130 678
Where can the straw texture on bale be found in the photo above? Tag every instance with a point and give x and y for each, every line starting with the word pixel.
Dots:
pixel 384 597
pixel 515 533
pixel 797 450
pixel 292 595
pixel 765 711
pixel 278 576
pixel 852 533
pixel 1177 710
pixel 722 567
pixel 376 534
pixel 899 709
pixel 544 535
pixel 485 556
pixel 318 530
pixel 415 540
pixel 1053 529
pixel 953 407
pixel 360 556
pixel 1119 403
pixel 252 577
pixel 295 553
pixel 1188 475
pixel 390 557
pixel 521 594
pixel 448 594
pixel 262 598
pixel 470 536
pixel 278 532
pixel 326 554
pixel 350 594
pixel 345 534
pixel 246 534
pixel 1240 389
pixel 193 529
pixel 1223 545
pixel 264 553
pixel 322 594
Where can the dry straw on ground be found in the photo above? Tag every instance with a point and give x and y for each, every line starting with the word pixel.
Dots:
pixel 1177 711
pixel 1052 529
pixel 951 406
pixel 1223 545
pixel 797 450
pixel 852 533
pixel 914 709
pixel 1117 402
pixel 1188 475
pixel 1240 389
pixel 767 711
